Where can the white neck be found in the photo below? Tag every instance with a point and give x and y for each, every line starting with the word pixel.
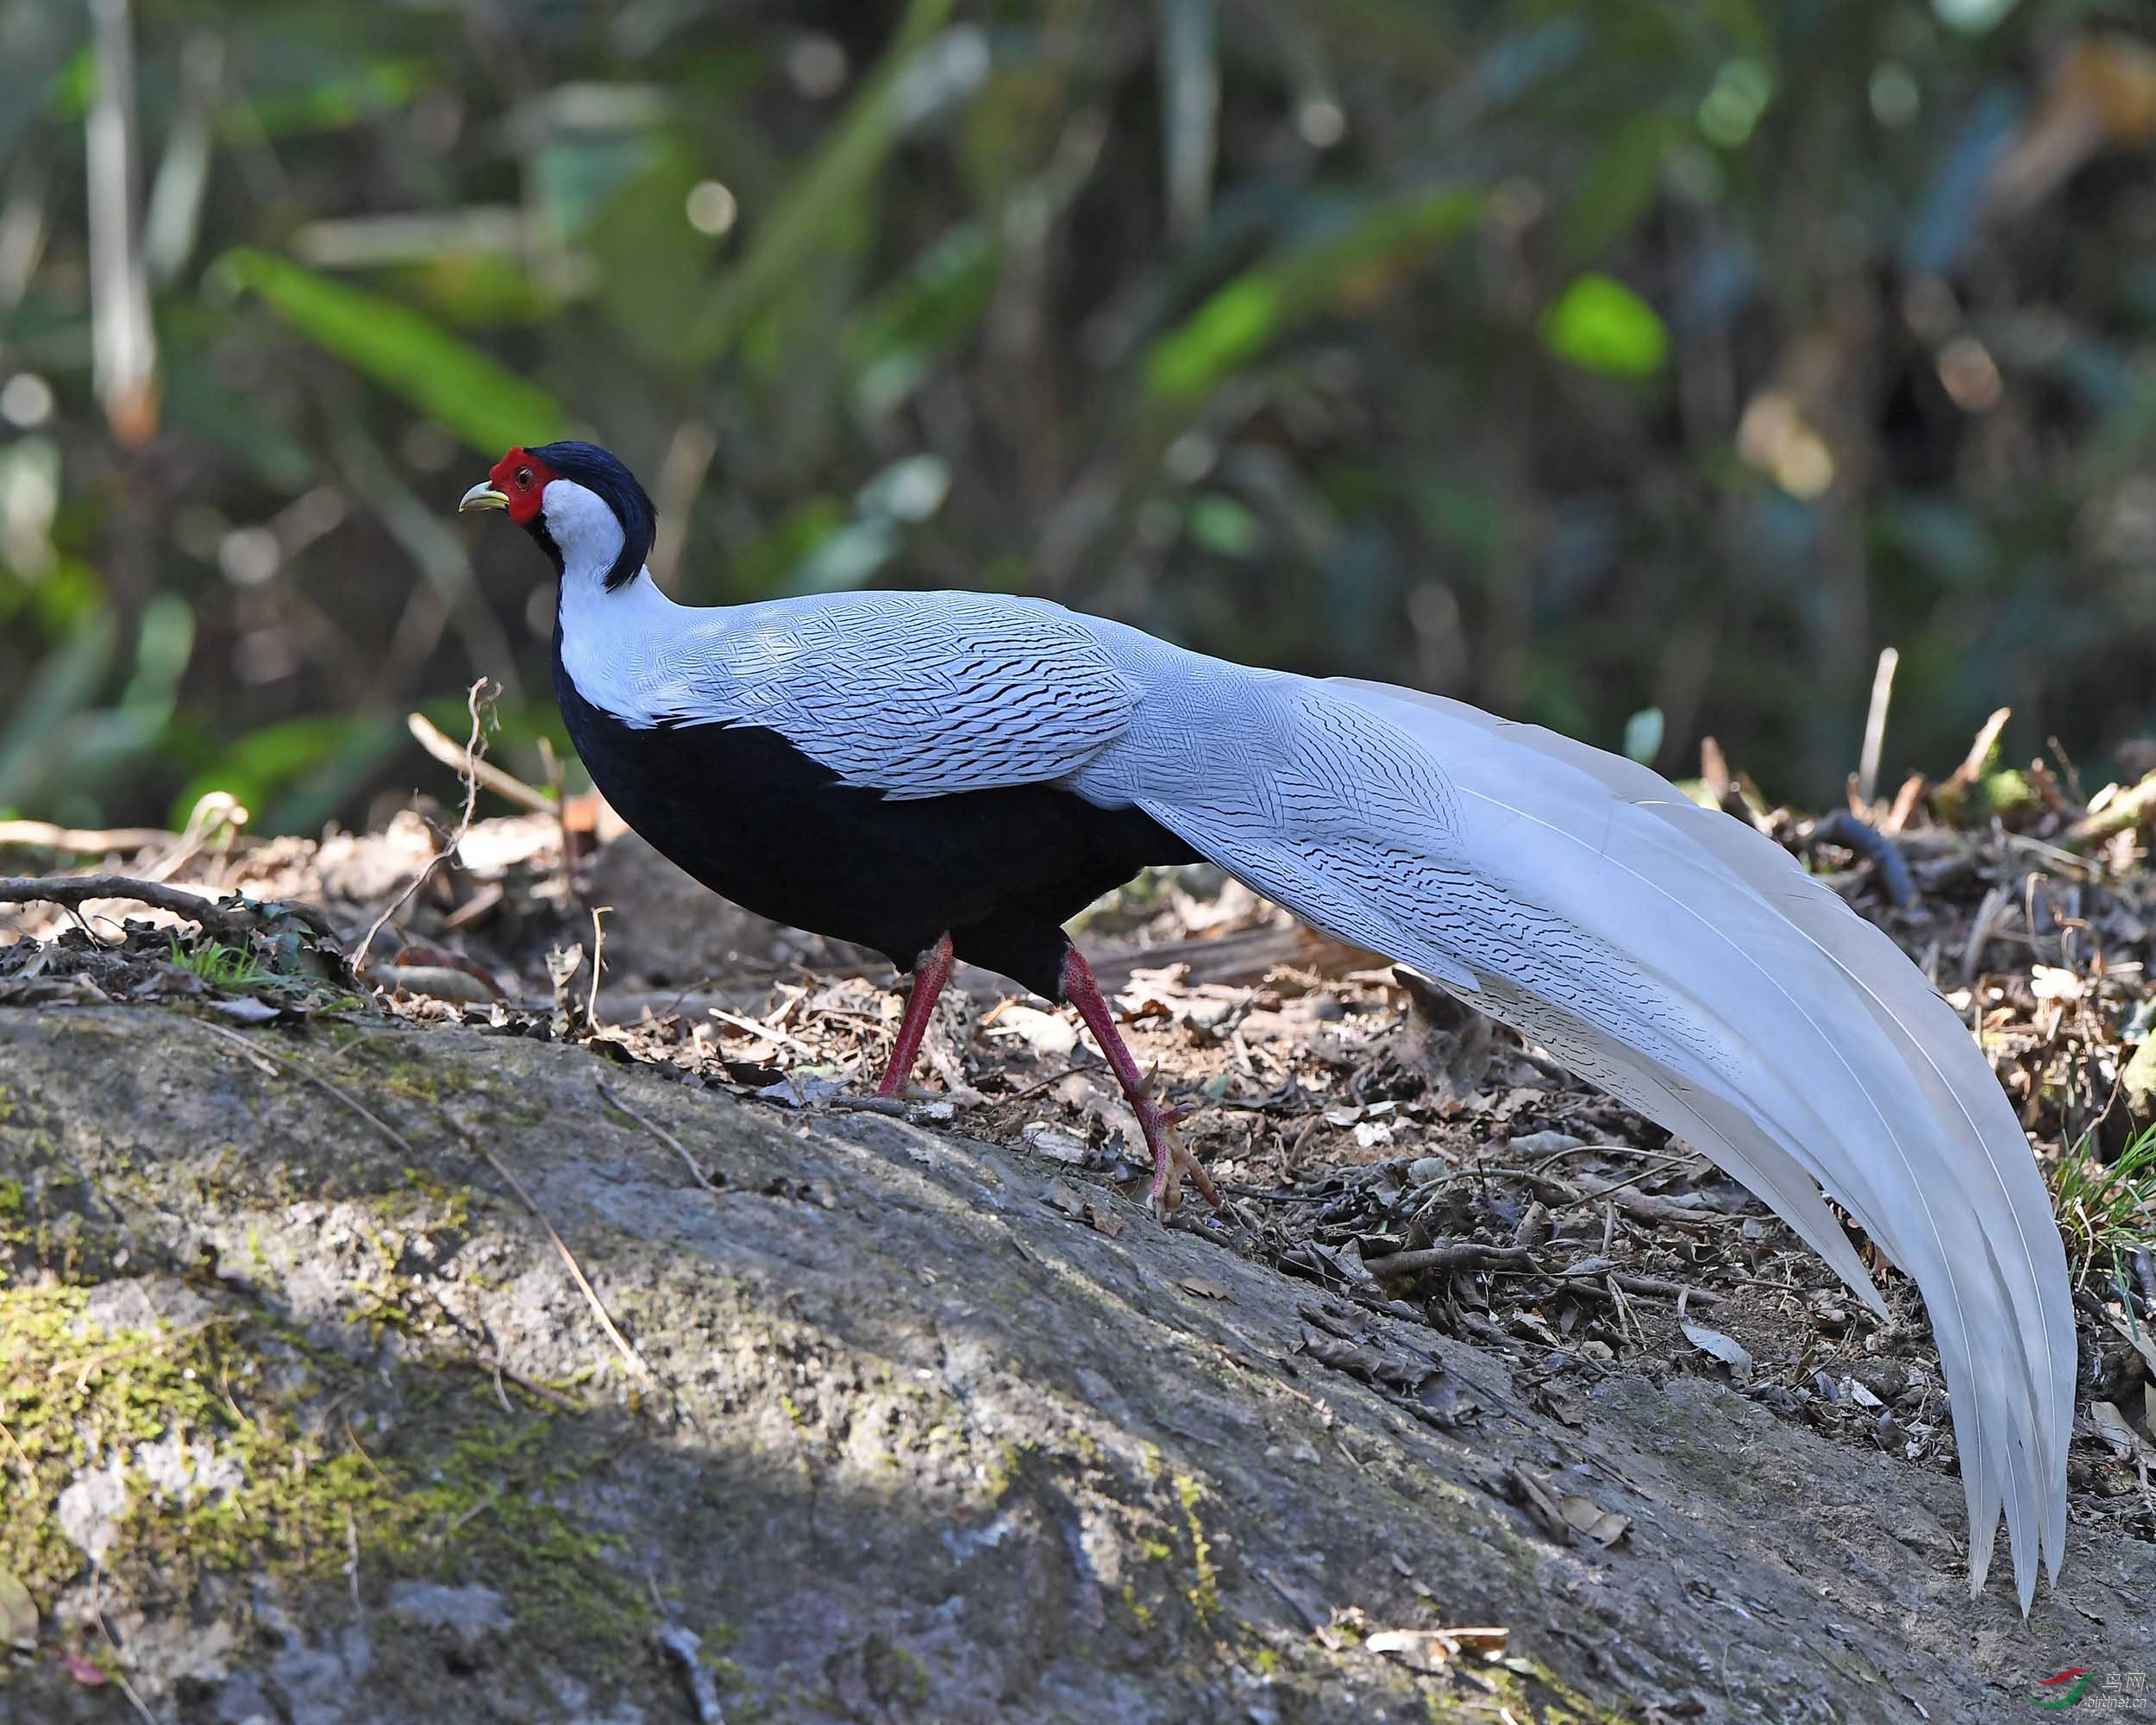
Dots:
pixel 609 639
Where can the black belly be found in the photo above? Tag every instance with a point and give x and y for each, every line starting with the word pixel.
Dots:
pixel 755 820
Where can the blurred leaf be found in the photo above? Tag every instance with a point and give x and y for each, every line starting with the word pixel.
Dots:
pixel 1642 736
pixel 1600 324
pixel 101 744
pixel 1255 310
pixel 769 559
pixel 454 384
pixel 1624 184
pixel 1949 217
pixel 36 744
pixel 653 266
pixel 292 776
pixel 846 558
pixel 36 38
pixel 930 309
pixel 477 290
pixel 1946 538
pixel 1224 526
pixel 1972 17
pixel 911 488
pixel 331 102
pixel 789 232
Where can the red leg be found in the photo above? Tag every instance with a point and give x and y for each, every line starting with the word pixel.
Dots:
pixel 1171 1161
pixel 930 971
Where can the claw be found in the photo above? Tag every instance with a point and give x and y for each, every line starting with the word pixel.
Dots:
pixel 1172 1159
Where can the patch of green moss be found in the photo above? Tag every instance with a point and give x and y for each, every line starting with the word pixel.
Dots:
pixel 894 1675
pixel 1204 1592
pixel 446 1484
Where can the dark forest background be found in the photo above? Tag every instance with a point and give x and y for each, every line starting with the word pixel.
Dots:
pixel 1643 368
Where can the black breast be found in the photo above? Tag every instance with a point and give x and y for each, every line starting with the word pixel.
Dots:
pixel 755 820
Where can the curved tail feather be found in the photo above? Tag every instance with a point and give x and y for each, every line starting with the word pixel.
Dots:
pixel 1688 965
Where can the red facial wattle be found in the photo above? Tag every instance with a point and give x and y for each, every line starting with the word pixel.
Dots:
pixel 522 477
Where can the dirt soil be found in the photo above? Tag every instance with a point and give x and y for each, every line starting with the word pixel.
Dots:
pixel 451 1342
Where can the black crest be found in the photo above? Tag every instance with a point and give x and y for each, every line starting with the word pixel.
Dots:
pixel 598 472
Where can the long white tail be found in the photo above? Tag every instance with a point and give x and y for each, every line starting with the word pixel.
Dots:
pixel 1688 966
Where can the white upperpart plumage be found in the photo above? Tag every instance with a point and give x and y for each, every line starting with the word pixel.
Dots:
pixel 1673 955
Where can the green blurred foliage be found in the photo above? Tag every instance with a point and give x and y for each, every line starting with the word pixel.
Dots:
pixel 1640 369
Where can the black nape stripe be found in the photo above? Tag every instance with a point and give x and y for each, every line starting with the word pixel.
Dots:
pixel 598 472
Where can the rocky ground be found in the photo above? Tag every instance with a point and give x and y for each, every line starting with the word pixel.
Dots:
pixel 457 1341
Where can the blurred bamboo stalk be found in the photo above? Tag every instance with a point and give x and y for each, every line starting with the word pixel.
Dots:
pixel 124 347
pixel 1190 105
pixel 173 217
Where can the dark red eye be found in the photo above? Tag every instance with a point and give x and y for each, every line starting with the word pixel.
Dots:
pixel 523 478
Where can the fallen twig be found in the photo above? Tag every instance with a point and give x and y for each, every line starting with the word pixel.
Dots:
pixel 42 835
pixel 622 1344
pixel 1476 1254
pixel 472 699
pixel 1657 1286
pixel 666 1137
pixel 2129 809
pixel 890 1105
pixel 1453 1255
pixel 255 1051
pixel 506 785
pixel 233 916
pixel 598 957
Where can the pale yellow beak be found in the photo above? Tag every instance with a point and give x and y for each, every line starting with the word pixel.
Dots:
pixel 482 496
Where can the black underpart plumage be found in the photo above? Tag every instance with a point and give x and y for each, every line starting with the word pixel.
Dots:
pixel 755 819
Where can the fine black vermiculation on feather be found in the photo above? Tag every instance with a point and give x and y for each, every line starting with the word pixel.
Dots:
pixel 747 814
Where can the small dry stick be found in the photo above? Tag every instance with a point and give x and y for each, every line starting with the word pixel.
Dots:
pixel 480 693
pixel 255 1051
pixel 445 749
pixel 119 1676
pixel 598 956
pixel 666 1137
pixel 22 1455
pixel 1453 1255
pixel 576 1271
pixel 42 835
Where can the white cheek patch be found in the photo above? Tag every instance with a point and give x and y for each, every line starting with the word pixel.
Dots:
pixel 582 527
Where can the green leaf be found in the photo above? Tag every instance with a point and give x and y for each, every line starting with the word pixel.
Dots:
pixel 1224 526
pixel 1602 325
pixel 432 372
pixel 294 773
pixel 1258 307
pixel 1230 330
